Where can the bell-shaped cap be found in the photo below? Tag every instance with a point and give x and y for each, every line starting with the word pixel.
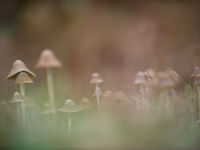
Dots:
pixel 47 59
pixel 196 72
pixel 23 77
pixel 96 79
pixel 85 103
pixel 174 76
pixel 142 78
pixel 17 98
pixel 19 66
pixel 164 80
pixel 70 107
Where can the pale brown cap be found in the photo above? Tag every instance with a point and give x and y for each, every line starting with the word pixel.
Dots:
pixel 85 103
pixel 164 80
pixel 47 59
pixel 196 72
pixel 18 66
pixel 96 79
pixel 142 78
pixel 23 77
pixel 17 98
pixel 70 107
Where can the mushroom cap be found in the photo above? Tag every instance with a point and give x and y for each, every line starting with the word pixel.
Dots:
pixel 23 77
pixel 17 67
pixel 196 82
pixel 142 78
pixel 164 80
pixel 196 72
pixel 96 79
pixel 85 103
pixel 47 59
pixel 174 76
pixel 17 98
pixel 70 107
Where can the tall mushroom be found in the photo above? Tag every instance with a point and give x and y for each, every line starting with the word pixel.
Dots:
pixel 22 75
pixel 69 107
pixel 48 60
pixel 96 80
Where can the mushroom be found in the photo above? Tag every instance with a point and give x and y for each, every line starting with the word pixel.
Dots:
pixel 85 103
pixel 17 100
pixel 96 80
pixel 70 107
pixel 48 60
pixel 143 79
pixel 22 75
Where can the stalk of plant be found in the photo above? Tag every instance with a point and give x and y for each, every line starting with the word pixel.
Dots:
pixel 196 75
pixel 48 60
pixel 187 94
pixel 22 75
pixel 96 80
pixel 69 107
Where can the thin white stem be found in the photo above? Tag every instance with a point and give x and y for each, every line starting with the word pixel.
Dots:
pixel 97 92
pixel 69 124
pixel 51 91
pixel 23 109
pixel 18 113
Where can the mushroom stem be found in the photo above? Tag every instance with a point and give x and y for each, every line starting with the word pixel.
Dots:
pixel 18 113
pixel 22 91
pixel 97 90
pixel 187 94
pixel 69 124
pixel 198 104
pixel 51 91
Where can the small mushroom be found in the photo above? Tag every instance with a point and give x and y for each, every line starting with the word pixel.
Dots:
pixel 85 103
pixel 17 67
pixel 18 100
pixel 174 76
pixel 196 72
pixel 48 60
pixel 165 81
pixel 70 107
pixel 96 80
pixel 142 78
pixel 22 75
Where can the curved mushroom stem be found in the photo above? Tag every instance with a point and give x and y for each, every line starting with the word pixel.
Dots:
pixel 22 91
pixel 51 91
pixel 69 124
pixel 97 92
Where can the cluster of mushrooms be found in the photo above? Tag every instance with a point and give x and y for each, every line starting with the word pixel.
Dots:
pixel 155 89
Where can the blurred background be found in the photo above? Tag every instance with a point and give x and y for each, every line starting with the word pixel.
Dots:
pixel 116 38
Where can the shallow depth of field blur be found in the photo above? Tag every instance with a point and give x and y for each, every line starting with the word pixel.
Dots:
pixel 116 39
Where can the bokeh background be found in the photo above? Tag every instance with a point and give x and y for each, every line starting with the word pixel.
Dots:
pixel 116 38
